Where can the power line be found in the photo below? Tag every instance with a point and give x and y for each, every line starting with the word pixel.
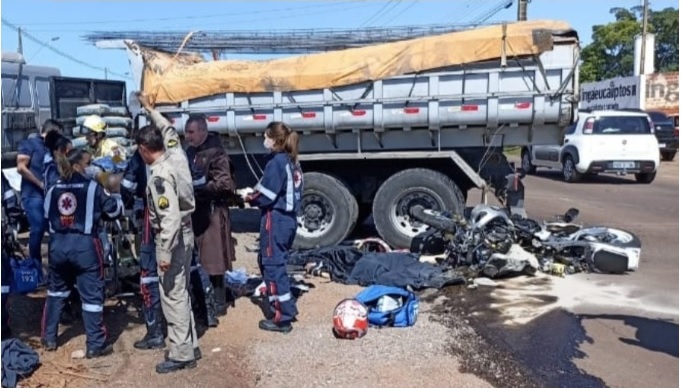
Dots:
pixel 191 17
pixel 357 4
pixel 59 52
pixel 377 13
pixel 410 6
pixel 388 11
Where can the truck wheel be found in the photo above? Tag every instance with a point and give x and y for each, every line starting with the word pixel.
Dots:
pixel 668 156
pixel 415 186
pixel 570 173
pixel 645 178
pixel 328 212
pixel 526 163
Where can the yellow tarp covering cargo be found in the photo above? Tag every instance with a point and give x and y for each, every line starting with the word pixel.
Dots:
pixel 188 76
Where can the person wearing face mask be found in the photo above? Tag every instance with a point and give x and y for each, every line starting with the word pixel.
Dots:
pixel 278 195
pixel 74 208
pixel 211 220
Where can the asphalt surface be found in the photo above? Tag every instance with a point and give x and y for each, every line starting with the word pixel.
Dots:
pixel 595 330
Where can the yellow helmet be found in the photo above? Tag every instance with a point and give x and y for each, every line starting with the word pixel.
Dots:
pixel 95 124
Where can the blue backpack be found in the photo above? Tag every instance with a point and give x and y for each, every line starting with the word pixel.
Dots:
pixel 25 275
pixel 404 316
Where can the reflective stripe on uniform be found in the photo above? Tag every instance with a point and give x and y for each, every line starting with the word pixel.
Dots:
pixel 48 202
pixel 5 289
pixel 130 185
pixel 92 307
pixel 289 189
pixel 58 294
pixel 265 191
pixel 89 207
pixel 148 280
pixel 281 298
pixel 199 182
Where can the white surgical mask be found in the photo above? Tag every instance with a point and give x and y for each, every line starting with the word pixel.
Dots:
pixel 268 143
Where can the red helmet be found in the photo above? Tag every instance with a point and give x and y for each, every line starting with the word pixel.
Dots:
pixel 350 319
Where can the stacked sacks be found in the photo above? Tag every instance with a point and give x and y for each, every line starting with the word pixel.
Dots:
pixel 118 121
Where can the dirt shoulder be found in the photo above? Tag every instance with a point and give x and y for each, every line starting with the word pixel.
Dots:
pixel 238 354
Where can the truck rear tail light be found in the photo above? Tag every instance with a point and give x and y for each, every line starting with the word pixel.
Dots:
pixel 523 105
pixel 358 113
pixel 309 115
pixel 589 126
pixel 411 110
pixel 259 117
pixel 213 119
pixel 469 108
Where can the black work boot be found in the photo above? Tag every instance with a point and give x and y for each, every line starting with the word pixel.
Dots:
pixel 211 307
pixel 220 300
pixel 169 365
pixel 50 346
pixel 101 352
pixel 197 354
pixel 269 325
pixel 154 338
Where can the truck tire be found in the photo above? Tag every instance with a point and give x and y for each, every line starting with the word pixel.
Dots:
pixel 414 186
pixel 526 162
pixel 570 173
pixel 328 212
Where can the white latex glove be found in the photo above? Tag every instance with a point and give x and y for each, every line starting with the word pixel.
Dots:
pixel 244 192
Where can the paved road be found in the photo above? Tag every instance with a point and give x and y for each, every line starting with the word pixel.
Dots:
pixel 612 330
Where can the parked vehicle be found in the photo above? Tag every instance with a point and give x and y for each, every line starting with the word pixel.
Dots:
pixel 667 134
pixel 621 142
pixel 382 145
pixel 32 94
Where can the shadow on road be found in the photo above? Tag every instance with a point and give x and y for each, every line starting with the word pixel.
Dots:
pixel 656 335
pixel 590 179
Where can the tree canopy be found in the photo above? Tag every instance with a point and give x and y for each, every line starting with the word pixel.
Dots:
pixel 611 54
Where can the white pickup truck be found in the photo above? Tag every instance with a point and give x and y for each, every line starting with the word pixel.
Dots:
pixel 621 142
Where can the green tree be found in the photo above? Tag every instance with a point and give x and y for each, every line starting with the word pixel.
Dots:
pixel 611 53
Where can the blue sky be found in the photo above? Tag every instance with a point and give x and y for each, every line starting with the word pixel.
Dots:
pixel 63 22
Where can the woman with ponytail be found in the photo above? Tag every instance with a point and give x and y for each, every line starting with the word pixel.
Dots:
pixel 278 195
pixel 74 208
pixel 58 147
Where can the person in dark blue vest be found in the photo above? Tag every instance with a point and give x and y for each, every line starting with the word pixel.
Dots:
pixel 58 147
pixel 30 161
pixel 9 201
pixel 278 195
pixel 73 208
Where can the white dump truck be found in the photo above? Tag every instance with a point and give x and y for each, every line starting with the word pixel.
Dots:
pixel 383 127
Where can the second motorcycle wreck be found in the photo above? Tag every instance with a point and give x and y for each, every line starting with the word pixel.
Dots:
pixel 488 242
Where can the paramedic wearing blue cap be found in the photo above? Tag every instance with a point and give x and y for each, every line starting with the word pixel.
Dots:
pixel 278 195
pixel 73 209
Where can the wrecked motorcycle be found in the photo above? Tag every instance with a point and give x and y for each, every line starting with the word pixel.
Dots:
pixel 488 236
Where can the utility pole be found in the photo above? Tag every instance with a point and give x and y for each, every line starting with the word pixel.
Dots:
pixel 522 9
pixel 644 38
pixel 21 46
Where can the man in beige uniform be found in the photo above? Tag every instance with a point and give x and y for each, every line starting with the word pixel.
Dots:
pixel 171 202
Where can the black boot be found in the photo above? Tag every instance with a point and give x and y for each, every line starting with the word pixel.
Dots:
pixel 218 283
pixel 154 338
pixel 169 365
pixel 211 307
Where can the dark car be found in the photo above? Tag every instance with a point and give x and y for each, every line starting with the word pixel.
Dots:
pixel 666 134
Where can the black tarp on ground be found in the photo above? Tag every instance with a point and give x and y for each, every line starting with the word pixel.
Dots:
pixel 353 267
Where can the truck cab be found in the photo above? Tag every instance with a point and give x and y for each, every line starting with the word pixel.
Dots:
pixel 620 142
